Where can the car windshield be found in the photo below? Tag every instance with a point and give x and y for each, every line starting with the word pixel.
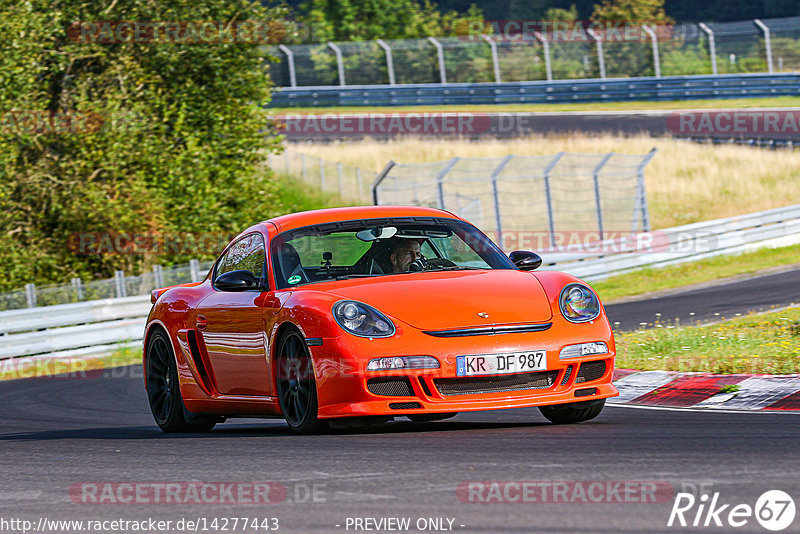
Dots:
pixel 381 247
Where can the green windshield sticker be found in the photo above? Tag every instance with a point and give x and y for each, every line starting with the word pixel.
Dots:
pixel 294 279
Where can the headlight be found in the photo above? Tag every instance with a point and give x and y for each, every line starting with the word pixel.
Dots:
pixel 403 362
pixel 578 303
pixel 361 320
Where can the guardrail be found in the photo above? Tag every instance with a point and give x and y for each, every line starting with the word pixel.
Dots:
pixel 98 327
pixel 543 92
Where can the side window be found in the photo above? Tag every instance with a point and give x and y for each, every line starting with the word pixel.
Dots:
pixel 246 254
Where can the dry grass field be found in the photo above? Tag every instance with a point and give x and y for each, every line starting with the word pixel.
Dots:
pixel 686 182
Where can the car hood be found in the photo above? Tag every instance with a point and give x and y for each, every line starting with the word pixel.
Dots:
pixel 453 299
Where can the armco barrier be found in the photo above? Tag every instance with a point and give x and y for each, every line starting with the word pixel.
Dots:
pixel 543 92
pixel 97 327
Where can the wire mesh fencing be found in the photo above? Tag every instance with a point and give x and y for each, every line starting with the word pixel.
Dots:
pixel 552 199
pixel 351 184
pixel 768 45
pixel 119 286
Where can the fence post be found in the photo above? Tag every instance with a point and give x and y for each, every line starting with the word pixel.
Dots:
pixel 546 44
pixel 597 204
pixel 290 58
pixel 767 42
pixel 322 174
pixel 158 275
pixel 497 213
pixel 641 193
pixel 78 285
pixel 495 60
pixel 551 222
pixel 305 170
pixel 119 284
pixel 379 179
pixel 440 180
pixel 440 55
pixel 712 47
pixel 389 62
pixel 194 270
pixel 359 184
pixel 601 62
pixel 30 295
pixel 339 61
pixel 339 173
pixel 656 61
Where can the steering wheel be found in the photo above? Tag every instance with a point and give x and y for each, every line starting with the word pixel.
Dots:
pixel 440 262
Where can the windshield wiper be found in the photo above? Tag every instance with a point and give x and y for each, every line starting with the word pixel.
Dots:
pixel 354 275
pixel 459 268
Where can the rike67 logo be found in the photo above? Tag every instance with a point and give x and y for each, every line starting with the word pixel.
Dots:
pixel 774 510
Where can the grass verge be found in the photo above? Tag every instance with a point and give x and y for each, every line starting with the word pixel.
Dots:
pixel 28 367
pixel 650 280
pixel 721 103
pixel 761 343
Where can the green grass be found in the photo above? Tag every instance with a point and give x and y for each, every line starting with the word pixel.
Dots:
pixel 649 280
pixel 76 367
pixel 760 343
pixel 296 196
pixel 781 101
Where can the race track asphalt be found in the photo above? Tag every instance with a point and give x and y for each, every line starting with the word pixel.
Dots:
pixel 59 432
pixel 758 293
pixel 62 433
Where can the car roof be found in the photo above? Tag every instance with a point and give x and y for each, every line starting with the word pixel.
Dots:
pixel 308 218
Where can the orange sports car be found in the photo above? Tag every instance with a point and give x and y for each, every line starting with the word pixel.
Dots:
pixel 354 316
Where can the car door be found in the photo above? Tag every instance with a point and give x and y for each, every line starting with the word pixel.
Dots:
pixel 232 324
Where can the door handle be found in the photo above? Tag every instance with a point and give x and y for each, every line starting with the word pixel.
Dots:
pixel 201 322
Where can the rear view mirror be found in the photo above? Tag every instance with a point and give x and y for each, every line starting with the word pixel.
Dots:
pixel 240 280
pixel 525 260
pixel 373 234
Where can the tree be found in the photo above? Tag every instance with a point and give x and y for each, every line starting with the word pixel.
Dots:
pixel 167 137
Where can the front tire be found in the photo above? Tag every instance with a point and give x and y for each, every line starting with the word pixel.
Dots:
pixel 163 388
pixel 573 412
pixel 297 388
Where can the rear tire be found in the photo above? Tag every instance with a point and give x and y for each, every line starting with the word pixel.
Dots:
pixel 163 388
pixel 297 388
pixel 573 412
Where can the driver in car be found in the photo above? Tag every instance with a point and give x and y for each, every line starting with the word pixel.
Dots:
pixel 403 253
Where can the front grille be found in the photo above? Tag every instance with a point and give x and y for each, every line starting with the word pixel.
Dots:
pixel 591 371
pixel 567 374
pixel 404 405
pixel 489 330
pixel 390 386
pixel 493 384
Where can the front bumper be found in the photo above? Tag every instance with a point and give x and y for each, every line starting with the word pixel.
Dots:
pixel 344 389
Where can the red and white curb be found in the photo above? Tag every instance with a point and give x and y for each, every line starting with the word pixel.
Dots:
pixel 705 390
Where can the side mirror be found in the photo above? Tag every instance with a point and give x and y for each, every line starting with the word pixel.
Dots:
pixel 525 260
pixel 240 280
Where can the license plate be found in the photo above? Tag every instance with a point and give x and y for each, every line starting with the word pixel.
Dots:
pixel 501 364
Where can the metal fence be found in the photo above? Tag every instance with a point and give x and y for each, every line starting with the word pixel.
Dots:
pixel 350 183
pixel 118 287
pixel 558 193
pixel 753 46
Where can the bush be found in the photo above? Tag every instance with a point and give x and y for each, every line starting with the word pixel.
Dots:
pixel 174 136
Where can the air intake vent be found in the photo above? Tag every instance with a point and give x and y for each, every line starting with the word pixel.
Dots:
pixel 390 386
pixel 493 384
pixel 591 371
pixel 567 374
pixel 404 405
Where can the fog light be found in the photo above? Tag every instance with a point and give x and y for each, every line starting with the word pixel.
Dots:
pixel 403 362
pixel 583 349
